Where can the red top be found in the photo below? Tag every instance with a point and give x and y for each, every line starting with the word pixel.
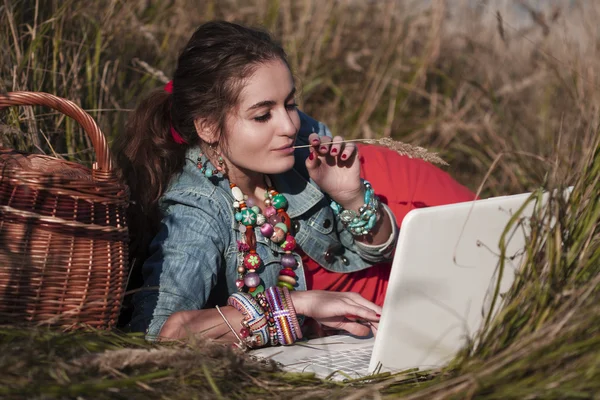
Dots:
pixel 403 184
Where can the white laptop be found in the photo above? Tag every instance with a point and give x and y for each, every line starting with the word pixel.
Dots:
pixel 442 281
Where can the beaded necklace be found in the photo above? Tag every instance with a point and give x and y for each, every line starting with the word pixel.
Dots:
pixel 275 224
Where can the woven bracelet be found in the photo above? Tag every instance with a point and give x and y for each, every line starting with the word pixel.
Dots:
pixel 281 315
pixel 287 297
pixel 254 326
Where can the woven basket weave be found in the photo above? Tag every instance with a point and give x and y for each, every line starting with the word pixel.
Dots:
pixel 63 231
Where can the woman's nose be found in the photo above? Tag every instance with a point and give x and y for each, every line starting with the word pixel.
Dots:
pixel 290 122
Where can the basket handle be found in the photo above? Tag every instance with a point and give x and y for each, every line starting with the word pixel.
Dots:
pixel 70 109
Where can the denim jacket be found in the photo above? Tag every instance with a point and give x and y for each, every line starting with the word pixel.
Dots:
pixel 195 252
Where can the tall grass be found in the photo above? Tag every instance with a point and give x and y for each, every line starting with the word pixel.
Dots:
pixel 513 104
pixel 473 83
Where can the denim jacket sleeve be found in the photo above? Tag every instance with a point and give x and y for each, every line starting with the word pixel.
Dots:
pixel 185 259
pixel 369 252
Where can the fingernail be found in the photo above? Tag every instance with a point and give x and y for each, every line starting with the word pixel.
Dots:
pixel 323 148
pixel 311 156
pixel 344 156
pixel 333 151
pixel 315 141
pixel 378 315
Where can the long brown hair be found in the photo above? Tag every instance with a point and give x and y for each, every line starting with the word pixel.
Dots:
pixel 207 82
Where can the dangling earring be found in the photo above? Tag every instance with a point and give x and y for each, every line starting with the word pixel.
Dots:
pixel 220 160
pixel 221 166
pixel 206 169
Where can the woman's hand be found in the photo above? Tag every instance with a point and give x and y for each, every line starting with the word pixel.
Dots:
pixel 348 311
pixel 334 167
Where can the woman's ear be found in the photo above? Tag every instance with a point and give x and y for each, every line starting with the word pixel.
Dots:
pixel 206 130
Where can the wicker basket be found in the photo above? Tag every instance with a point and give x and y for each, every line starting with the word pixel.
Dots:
pixel 63 231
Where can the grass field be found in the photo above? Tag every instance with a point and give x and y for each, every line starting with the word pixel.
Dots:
pixel 511 102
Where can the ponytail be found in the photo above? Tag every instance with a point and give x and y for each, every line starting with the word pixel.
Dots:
pixel 147 157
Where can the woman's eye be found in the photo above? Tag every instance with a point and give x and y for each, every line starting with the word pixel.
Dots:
pixel 267 116
pixel 263 118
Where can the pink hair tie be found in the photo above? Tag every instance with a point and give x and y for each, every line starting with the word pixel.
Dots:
pixel 176 136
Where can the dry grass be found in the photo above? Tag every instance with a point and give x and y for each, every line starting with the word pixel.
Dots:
pixel 514 101
pixel 470 84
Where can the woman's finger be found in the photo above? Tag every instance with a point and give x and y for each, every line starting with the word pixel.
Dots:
pixel 349 151
pixel 354 328
pixel 324 146
pixel 361 312
pixel 357 298
pixel 336 146
pixel 312 161
pixel 314 139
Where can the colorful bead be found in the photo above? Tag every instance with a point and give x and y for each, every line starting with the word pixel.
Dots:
pixel 289 244
pixel 279 201
pixel 270 211
pixel 288 261
pixel 249 202
pixel 250 239
pixel 237 193
pixel 252 261
pixel 288 272
pixel 285 218
pixel 241 269
pixel 238 216
pixel 278 235
pixel 285 284
pixel 266 230
pixel 258 289
pixel 256 210
pixel 282 226
pixel 239 283
pixel 260 219
pixel 242 246
pixel 252 279
pixel 287 279
pixel 248 217
pixel 244 333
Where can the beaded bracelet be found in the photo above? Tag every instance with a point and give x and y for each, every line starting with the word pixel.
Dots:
pixel 361 222
pixel 254 326
pixel 283 320
pixel 261 298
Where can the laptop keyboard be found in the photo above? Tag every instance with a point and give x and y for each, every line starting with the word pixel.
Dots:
pixel 355 360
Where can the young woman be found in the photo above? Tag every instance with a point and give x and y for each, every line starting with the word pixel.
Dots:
pixel 241 220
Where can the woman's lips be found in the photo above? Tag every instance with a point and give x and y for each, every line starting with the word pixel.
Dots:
pixel 286 150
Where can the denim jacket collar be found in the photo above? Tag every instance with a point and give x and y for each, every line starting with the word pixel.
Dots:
pixel 301 194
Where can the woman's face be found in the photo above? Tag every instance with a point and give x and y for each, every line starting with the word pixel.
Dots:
pixel 261 130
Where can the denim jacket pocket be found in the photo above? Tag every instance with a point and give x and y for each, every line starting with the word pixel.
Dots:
pixel 323 221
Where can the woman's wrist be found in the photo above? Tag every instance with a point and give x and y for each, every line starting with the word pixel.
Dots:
pixel 297 297
pixel 353 202
pixel 362 221
pixel 381 231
